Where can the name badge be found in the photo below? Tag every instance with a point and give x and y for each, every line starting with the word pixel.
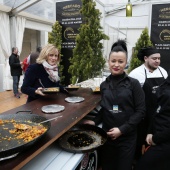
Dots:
pixel 115 108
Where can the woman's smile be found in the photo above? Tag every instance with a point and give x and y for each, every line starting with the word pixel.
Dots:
pixel 115 69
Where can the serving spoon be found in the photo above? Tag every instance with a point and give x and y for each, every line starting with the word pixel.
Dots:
pixel 23 126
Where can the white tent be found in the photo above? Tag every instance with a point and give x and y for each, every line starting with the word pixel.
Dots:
pixel 16 16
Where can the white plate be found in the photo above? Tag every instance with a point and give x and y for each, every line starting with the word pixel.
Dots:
pixel 74 99
pixel 54 108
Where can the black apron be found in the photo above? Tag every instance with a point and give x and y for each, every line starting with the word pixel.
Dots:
pixel 149 87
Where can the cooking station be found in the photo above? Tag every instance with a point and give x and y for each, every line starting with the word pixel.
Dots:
pixel 70 116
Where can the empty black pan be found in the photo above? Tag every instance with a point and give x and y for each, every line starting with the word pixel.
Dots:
pixel 9 145
pixel 82 138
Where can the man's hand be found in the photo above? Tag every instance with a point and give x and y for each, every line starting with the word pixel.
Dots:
pixel 149 139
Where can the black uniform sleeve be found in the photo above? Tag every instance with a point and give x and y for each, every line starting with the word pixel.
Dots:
pixel 161 137
pixel 98 118
pixel 139 108
pixel 29 81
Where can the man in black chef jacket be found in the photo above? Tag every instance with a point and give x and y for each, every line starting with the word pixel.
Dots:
pixel 150 75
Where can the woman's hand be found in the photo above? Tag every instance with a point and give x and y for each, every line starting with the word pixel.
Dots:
pixel 90 122
pixel 149 139
pixel 114 133
pixel 39 91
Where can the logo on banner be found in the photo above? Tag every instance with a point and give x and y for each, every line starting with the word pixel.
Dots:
pixel 69 33
pixel 164 13
pixel 71 10
pixel 165 35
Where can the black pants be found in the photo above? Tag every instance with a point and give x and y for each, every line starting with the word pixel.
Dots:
pixel 16 80
pixel 118 154
pixel 156 158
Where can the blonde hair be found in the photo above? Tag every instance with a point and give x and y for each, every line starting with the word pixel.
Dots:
pixel 45 52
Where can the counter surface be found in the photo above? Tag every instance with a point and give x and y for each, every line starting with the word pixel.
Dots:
pixel 72 114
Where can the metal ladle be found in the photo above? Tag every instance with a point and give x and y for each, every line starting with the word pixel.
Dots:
pixel 49 119
pixel 25 126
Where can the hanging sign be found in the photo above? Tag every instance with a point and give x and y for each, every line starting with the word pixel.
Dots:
pixel 160 32
pixel 69 16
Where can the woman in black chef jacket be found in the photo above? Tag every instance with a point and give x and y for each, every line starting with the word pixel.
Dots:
pixel 157 156
pixel 122 108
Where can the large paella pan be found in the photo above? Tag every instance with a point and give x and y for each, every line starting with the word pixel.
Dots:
pixel 10 143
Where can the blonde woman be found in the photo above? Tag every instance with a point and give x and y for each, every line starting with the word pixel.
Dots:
pixel 43 74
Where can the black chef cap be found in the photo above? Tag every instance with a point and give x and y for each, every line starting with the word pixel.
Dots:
pixel 146 51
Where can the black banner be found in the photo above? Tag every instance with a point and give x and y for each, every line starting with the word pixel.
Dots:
pixel 160 32
pixel 68 14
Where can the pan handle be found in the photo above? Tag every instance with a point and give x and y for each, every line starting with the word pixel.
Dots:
pixel 29 111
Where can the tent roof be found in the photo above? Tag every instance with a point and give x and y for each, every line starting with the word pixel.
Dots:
pixel 41 8
pixel 46 8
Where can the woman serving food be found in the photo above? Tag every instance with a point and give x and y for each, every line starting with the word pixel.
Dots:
pixel 43 74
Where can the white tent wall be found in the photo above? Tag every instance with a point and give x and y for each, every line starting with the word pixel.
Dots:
pixel 100 6
pixel 140 17
pixel 5 49
pixel 43 26
pixel 129 28
pixel 36 34
pixel 117 26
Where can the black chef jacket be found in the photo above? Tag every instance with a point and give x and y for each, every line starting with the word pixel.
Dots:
pixel 122 105
pixel 161 121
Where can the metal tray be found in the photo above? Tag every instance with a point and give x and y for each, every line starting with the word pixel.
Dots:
pixel 96 89
pixel 73 88
pixel 50 90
